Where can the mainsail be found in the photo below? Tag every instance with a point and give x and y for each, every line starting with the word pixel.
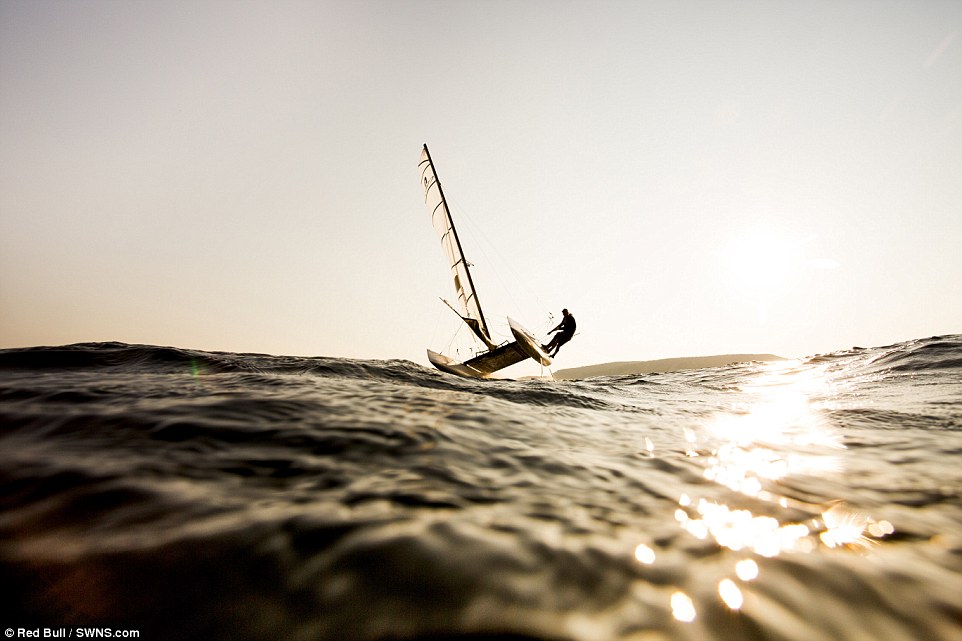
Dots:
pixel 470 307
pixel 496 357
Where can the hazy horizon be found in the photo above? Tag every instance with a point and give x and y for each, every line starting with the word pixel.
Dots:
pixel 688 179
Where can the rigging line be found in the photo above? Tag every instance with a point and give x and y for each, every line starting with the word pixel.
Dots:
pixel 465 342
pixel 453 337
pixel 479 231
pixel 437 324
pixel 542 332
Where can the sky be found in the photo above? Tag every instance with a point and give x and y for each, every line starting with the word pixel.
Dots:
pixel 688 178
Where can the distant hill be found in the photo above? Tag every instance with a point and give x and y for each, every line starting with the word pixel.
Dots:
pixel 625 368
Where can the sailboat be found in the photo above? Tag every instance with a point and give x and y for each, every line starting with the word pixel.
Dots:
pixel 492 356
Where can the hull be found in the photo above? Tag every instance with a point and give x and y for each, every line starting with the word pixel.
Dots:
pixel 481 366
pixel 528 344
pixel 452 366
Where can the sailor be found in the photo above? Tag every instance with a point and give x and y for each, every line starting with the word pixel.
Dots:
pixel 566 329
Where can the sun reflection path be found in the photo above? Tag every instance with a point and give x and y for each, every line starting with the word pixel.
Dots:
pixel 776 431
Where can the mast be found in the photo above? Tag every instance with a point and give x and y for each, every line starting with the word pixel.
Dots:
pixel 456 256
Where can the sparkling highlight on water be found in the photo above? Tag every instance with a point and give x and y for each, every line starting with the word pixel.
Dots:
pixel 730 594
pixel 682 607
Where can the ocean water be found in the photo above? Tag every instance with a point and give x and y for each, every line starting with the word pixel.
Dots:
pixel 177 494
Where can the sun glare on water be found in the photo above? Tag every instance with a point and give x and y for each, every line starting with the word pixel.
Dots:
pixel 775 432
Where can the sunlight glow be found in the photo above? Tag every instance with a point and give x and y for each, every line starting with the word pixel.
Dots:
pixel 760 260
pixel 762 264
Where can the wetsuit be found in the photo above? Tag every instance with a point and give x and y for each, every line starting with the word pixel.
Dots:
pixel 566 329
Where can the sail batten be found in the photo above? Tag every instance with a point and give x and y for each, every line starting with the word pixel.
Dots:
pixel 470 306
